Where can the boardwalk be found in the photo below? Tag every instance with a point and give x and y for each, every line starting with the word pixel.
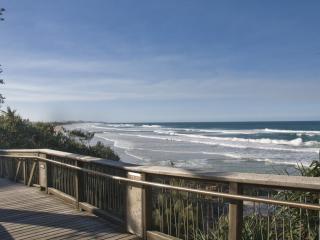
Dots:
pixel 27 213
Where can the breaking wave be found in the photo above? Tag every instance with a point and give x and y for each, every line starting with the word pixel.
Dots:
pixel 231 144
pixel 151 126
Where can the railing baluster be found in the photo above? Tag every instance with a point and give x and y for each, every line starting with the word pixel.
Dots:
pixel 34 164
pixel 268 218
pixel 187 216
pixel 205 218
pixel 17 171
pixel 319 218
pixel 24 166
pixel 78 186
pixel 275 225
pixel 308 220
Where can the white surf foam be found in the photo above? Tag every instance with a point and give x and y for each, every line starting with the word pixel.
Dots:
pixel 250 131
pixel 114 126
pixel 294 142
pixel 280 161
pixel 301 132
pixel 134 156
pixel 120 125
pixel 231 142
pixel 229 155
pixel 168 132
pixel 118 143
pixel 151 126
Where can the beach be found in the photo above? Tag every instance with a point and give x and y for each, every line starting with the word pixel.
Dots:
pixel 260 147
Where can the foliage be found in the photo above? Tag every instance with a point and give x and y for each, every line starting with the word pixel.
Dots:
pixel 82 136
pixel 1 13
pixel 186 215
pixel 181 214
pixel 312 171
pixel 16 132
pixel 284 222
pixel 1 80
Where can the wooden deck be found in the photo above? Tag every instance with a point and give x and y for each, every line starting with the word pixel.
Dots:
pixel 28 213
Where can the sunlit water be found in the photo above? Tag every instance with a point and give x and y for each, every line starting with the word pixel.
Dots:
pixel 247 147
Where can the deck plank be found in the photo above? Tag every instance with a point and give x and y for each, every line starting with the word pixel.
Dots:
pixel 27 213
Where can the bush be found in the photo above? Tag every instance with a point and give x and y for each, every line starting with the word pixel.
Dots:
pixel 16 132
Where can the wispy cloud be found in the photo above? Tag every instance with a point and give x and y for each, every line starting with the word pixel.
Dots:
pixel 105 89
pixel 161 77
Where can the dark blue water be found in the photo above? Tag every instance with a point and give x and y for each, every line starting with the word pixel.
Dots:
pixel 303 129
pixel 286 125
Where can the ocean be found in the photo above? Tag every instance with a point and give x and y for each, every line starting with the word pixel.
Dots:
pixel 260 147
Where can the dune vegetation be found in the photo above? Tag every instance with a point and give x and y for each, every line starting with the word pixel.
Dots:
pixel 18 133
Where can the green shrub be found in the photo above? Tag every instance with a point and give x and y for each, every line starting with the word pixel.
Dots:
pixel 16 132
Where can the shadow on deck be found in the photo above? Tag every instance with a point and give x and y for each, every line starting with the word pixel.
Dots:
pixel 27 213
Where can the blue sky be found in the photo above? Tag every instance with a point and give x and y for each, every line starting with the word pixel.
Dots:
pixel 168 60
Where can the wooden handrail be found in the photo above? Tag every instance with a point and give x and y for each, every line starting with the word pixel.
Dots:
pixel 138 197
pixel 177 188
pixel 265 180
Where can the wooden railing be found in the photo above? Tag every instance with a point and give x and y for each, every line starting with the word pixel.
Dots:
pixel 168 203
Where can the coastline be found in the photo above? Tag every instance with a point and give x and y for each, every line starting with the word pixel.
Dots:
pixel 199 148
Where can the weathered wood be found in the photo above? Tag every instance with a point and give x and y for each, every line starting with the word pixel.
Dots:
pixel 24 165
pixel 34 164
pixel 136 197
pixel 154 235
pixel 135 206
pixel 147 209
pixel 78 185
pixel 65 197
pixel 94 173
pixel 86 206
pixel 43 173
pixel 267 180
pixel 17 171
pixel 235 213
pixel 77 188
pixel 101 213
pixel 26 213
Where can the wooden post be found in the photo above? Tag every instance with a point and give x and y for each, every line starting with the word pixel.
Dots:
pixel 24 165
pixel 235 213
pixel 32 173
pixel 136 213
pixel 43 173
pixel 147 209
pixel 78 185
pixel 1 167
